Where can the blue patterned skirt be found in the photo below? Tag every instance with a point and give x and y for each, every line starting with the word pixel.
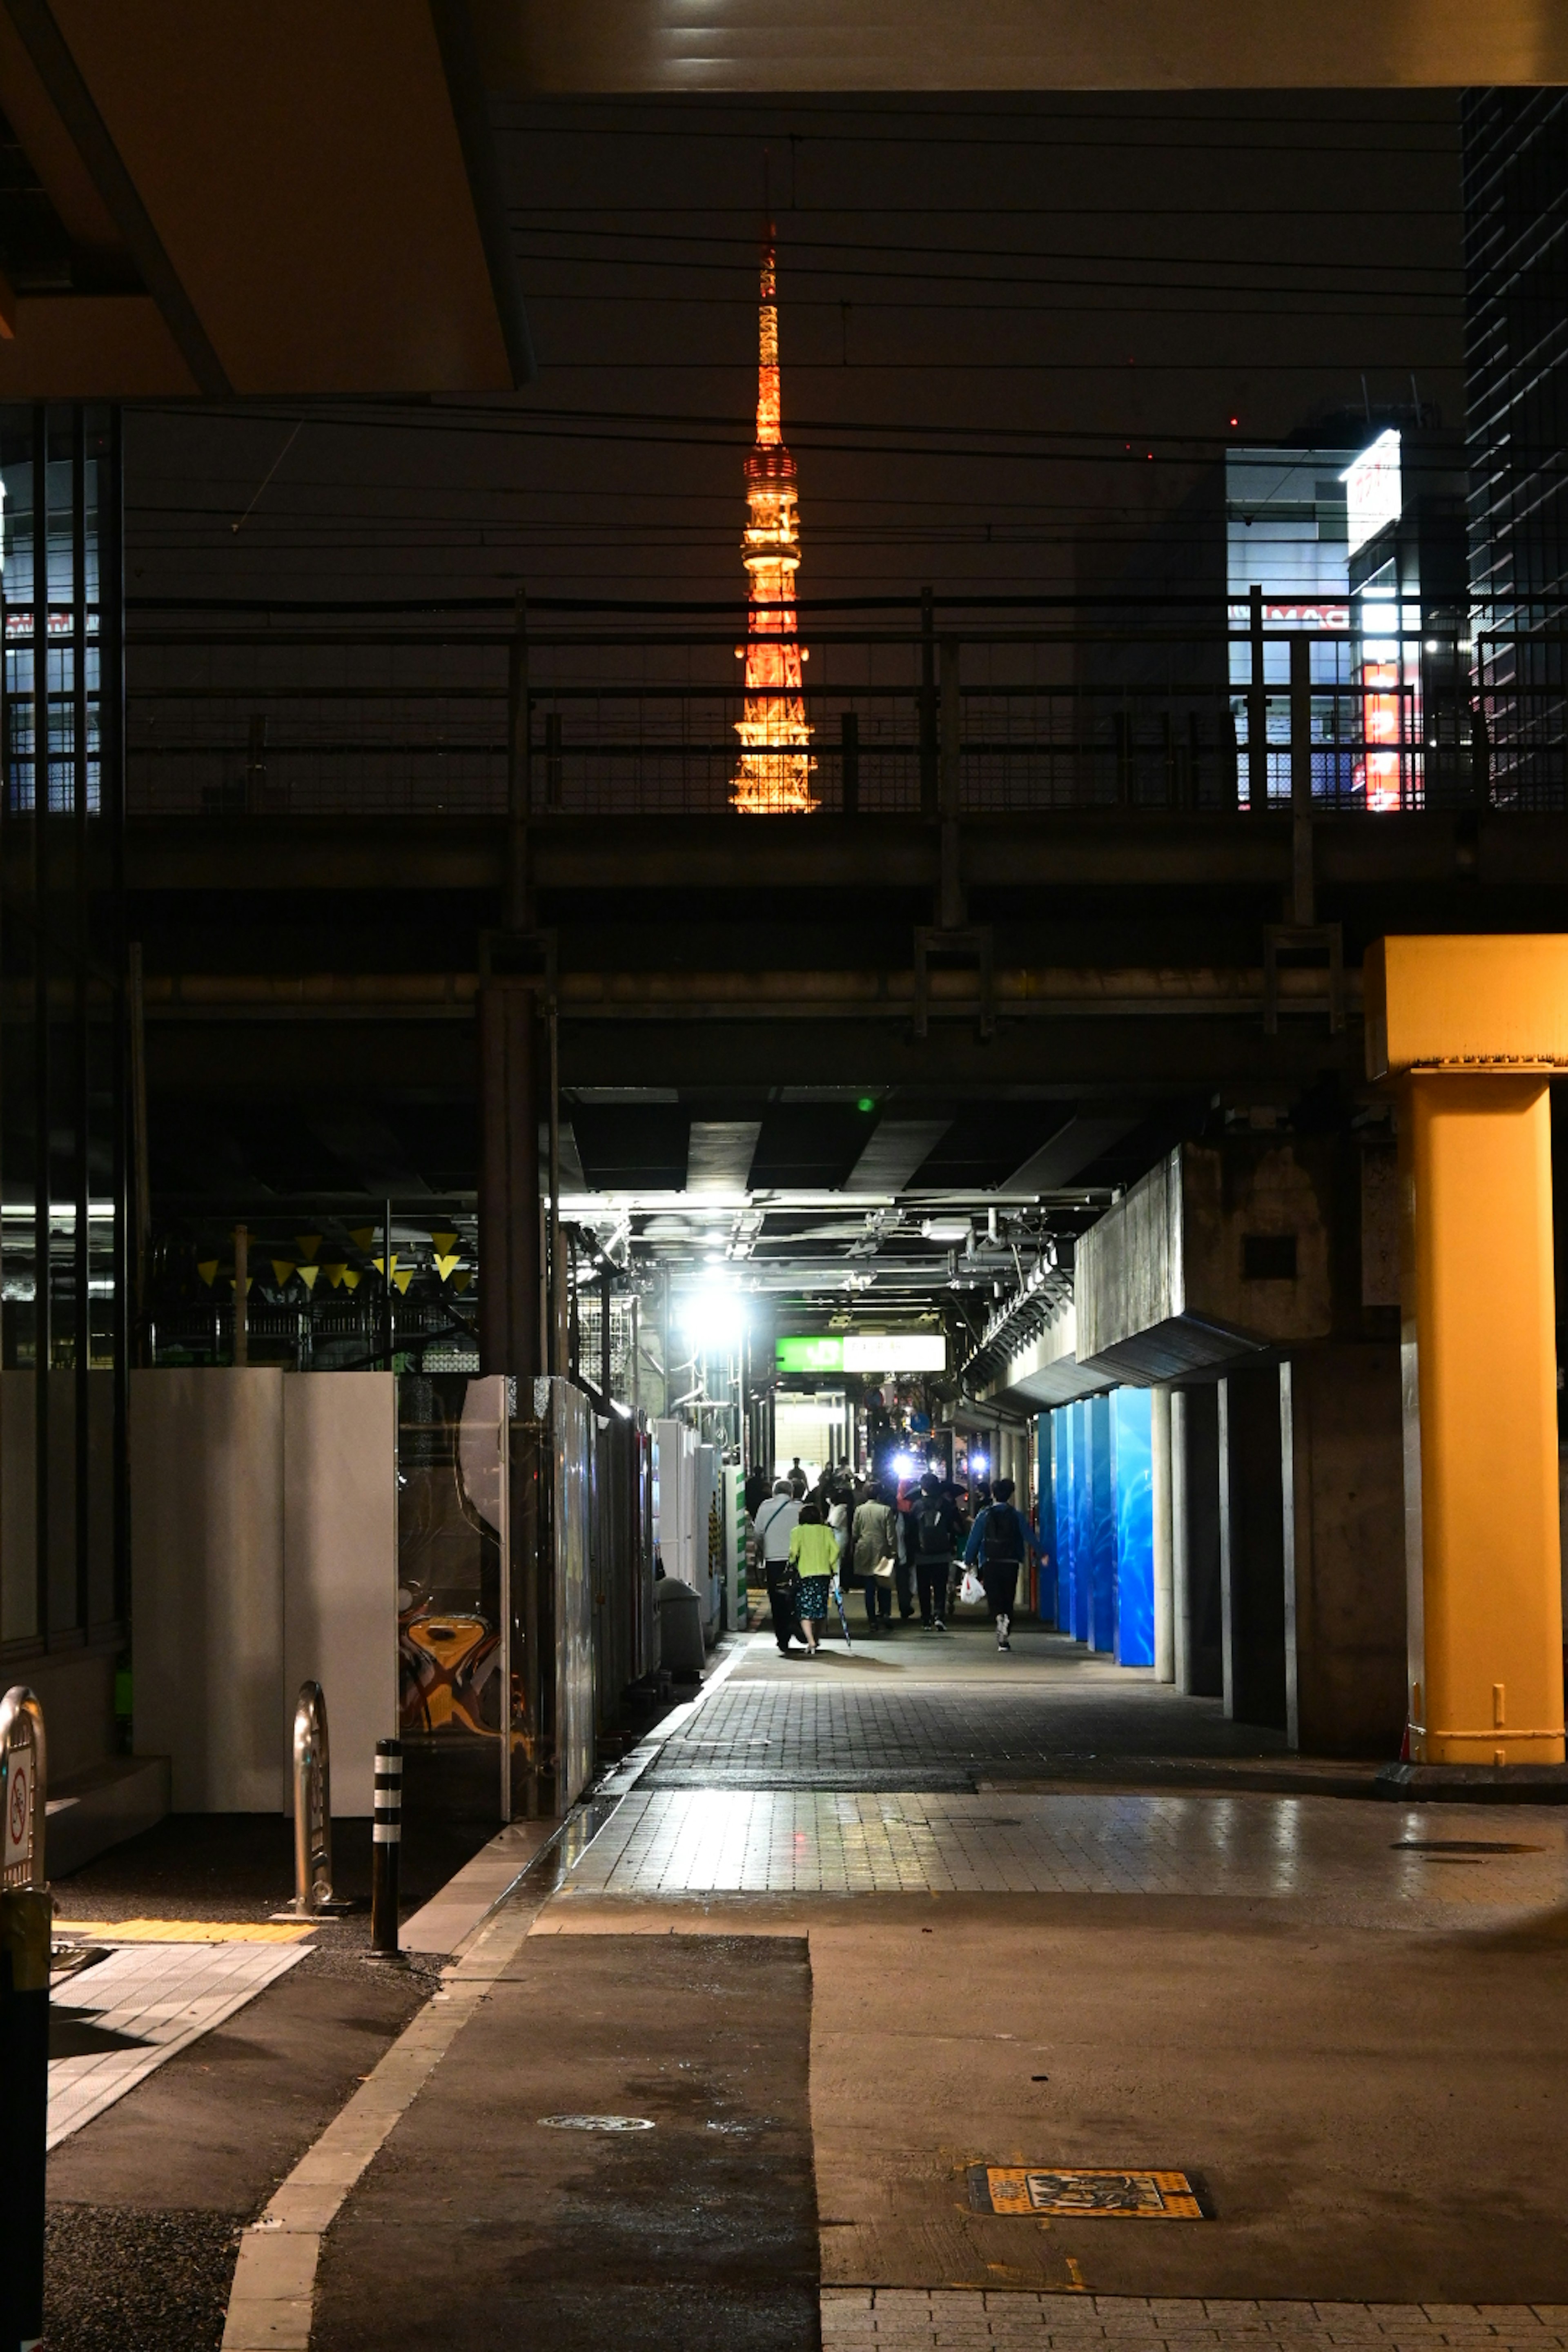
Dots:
pixel 813 1601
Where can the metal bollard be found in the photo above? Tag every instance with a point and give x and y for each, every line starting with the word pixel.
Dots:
pixel 387 1848
pixel 25 1920
pixel 313 1897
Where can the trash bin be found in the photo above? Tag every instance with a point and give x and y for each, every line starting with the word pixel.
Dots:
pixel 680 1643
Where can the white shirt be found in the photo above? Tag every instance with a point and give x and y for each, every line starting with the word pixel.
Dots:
pixel 775 1522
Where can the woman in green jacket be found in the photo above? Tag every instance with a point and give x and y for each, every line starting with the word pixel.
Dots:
pixel 814 1556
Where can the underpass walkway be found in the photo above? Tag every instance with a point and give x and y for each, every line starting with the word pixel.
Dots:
pixel 840 2026
pixel 915 1710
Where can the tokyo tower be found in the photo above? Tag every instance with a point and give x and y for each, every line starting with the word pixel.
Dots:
pixel 773 778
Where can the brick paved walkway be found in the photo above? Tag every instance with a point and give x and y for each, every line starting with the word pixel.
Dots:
pixel 1372 1864
pixel 785 1729
pixel 900 2319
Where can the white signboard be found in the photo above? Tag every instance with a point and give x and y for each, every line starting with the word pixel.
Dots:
pixel 895 1351
pixel 1295 617
pixel 16 1851
pixel 1373 495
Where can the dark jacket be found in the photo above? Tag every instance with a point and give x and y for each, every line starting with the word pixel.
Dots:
pixel 939 1541
pixel 1023 1537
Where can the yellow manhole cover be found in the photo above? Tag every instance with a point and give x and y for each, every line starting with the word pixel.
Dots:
pixel 1089 2194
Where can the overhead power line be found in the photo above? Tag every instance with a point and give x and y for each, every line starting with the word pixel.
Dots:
pixel 788 247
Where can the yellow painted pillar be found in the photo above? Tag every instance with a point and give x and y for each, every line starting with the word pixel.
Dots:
pixel 1480 1407
pixel 1467 1030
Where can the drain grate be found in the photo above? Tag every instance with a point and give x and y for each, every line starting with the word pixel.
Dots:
pixel 1090 2194
pixel 1464 1848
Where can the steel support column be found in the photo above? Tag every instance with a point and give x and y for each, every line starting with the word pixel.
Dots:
pixel 510 1271
pixel 1303 884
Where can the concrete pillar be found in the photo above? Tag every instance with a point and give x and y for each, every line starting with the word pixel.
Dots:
pixel 1344 1550
pixel 1483 1564
pixel 1197 1531
pixel 510 1271
pixel 1252 1548
pixel 1164 1570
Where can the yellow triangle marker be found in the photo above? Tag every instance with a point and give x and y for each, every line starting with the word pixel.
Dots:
pixel 443 1242
pixel 307 1275
pixel 444 1265
pixel 353 1277
pixel 363 1236
pixel 307 1244
pixel 334 1273
pixel 208 1268
pixel 461 1281
pixel 402 1280
pixel 283 1270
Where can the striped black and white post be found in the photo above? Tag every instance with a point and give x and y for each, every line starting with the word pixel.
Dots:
pixel 387 1836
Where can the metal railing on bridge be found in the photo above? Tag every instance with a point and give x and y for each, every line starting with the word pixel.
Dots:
pixel 473 707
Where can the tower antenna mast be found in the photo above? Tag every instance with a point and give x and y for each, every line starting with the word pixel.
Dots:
pixel 774 775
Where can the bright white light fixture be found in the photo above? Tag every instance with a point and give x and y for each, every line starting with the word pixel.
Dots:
pixel 1374 496
pixel 712 1318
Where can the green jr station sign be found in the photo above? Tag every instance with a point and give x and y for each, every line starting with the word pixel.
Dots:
pixel 861 1352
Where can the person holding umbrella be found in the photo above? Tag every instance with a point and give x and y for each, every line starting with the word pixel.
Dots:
pixel 814 1557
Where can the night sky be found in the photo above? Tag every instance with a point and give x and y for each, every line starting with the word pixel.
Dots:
pixel 1011 328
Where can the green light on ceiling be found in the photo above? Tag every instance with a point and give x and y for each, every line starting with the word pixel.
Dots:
pixel 866 1103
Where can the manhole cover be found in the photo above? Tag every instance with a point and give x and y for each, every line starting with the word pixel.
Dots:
pixel 1089 2193
pixel 597 2122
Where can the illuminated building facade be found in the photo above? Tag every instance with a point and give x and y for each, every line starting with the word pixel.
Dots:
pixel 1516 254
pixel 773 777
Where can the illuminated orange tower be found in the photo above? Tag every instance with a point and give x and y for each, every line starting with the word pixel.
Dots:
pixel 773 778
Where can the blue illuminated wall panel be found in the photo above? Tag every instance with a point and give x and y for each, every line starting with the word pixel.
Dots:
pixel 1100 1631
pixel 1083 1525
pixel 1133 1465
pixel 1061 1434
pixel 1045 1487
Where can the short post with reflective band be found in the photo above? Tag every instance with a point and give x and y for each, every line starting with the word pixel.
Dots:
pixel 387 1836
pixel 1469 1031
pixel 25 1937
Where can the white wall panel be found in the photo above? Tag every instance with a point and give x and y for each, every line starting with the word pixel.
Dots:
pixel 206 1537
pixel 340 1570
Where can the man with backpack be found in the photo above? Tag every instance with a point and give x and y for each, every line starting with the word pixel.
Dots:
pixel 999 1542
pixel 933 1532
pixel 774 1526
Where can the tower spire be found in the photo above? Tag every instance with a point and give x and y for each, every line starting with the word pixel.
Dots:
pixel 773 777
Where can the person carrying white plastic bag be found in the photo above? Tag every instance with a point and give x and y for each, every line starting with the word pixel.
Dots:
pixel 1000 1541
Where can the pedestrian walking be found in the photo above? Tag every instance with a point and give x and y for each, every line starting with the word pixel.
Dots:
pixel 774 1525
pixel 839 1516
pixel 875 1541
pixel 1000 1541
pixel 933 1525
pixel 814 1557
